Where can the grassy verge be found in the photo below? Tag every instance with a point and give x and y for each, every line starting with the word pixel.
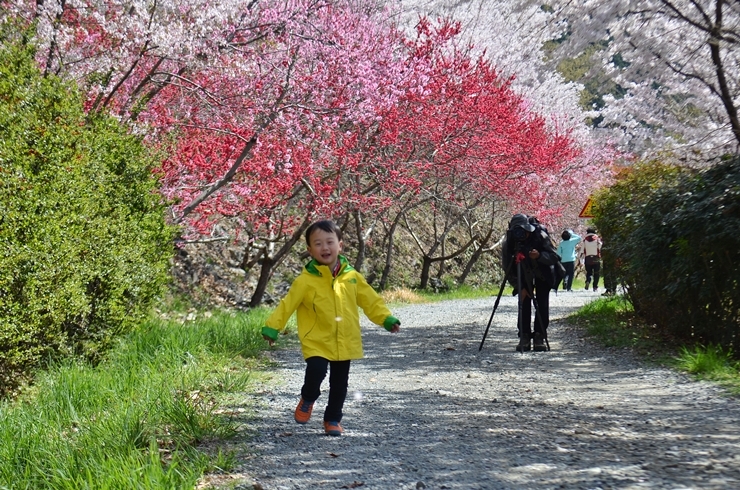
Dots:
pixel 412 296
pixel 145 418
pixel 612 323
pixel 711 363
pixel 159 412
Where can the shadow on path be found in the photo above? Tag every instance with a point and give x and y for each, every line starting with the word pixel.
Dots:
pixel 428 410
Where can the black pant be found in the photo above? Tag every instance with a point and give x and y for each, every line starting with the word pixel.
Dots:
pixel 593 271
pixel 542 295
pixel 316 368
pixel 569 270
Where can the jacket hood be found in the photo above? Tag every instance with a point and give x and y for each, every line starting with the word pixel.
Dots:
pixel 313 266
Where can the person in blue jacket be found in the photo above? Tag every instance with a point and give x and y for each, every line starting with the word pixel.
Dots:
pixel 567 252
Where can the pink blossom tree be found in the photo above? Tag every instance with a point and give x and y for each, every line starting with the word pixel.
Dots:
pixel 513 36
pixel 270 114
pixel 463 140
pixel 243 97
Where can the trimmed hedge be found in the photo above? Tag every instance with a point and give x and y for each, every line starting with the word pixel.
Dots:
pixel 675 235
pixel 84 249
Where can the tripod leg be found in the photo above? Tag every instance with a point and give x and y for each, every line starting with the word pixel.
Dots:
pixel 495 305
pixel 538 316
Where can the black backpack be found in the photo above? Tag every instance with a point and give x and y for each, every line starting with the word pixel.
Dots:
pixel 557 269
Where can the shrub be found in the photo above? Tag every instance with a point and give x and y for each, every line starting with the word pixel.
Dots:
pixel 84 246
pixel 619 213
pixel 674 233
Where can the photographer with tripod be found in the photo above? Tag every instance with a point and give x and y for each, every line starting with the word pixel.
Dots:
pixel 529 260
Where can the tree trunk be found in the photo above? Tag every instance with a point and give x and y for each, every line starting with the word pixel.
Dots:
pixel 724 90
pixel 360 259
pixel 469 266
pixel 474 258
pixel 442 264
pixel 426 263
pixel 389 254
pixel 269 264
pixel 429 260
pixel 266 270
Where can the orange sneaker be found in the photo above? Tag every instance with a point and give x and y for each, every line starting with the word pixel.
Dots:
pixel 303 411
pixel 333 429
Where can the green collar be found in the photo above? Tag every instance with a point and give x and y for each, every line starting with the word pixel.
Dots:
pixel 313 266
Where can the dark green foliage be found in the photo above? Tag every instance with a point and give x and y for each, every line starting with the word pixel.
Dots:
pixel 83 244
pixel 675 236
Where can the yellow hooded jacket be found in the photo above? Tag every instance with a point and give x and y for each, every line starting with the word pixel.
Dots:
pixel 328 315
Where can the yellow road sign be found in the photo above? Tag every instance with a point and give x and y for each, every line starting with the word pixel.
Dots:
pixel 587 212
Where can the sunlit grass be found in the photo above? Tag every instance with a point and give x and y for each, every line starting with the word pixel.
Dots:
pixel 462 292
pixel 711 363
pixel 414 296
pixel 611 322
pixel 146 417
pixel 402 296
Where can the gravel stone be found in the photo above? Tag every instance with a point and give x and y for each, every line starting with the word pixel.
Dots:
pixel 427 409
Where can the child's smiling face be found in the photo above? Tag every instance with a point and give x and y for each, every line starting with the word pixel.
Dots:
pixel 324 247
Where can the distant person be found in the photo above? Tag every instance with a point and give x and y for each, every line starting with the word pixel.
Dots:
pixel 592 257
pixel 567 252
pixel 529 259
pixel 327 295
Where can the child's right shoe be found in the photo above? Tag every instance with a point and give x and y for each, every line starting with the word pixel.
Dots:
pixel 333 428
pixel 303 411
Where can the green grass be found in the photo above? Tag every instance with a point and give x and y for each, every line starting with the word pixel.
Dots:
pixel 151 416
pixel 711 363
pixel 401 296
pixel 611 322
pixel 462 292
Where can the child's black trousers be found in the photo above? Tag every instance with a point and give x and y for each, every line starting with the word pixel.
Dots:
pixel 316 368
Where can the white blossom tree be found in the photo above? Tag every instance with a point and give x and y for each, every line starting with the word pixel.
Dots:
pixel 678 62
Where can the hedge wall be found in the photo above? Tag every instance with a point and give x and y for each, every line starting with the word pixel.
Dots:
pixel 84 249
pixel 675 233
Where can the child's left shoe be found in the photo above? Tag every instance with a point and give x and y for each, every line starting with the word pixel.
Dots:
pixel 333 428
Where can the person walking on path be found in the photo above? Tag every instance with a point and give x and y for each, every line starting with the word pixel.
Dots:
pixel 327 295
pixel 592 257
pixel 567 252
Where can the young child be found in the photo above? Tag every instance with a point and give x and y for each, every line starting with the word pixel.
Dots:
pixel 327 294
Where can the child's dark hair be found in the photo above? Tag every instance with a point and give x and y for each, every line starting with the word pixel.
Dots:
pixel 326 225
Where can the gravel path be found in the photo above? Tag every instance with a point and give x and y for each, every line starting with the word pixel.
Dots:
pixel 426 409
